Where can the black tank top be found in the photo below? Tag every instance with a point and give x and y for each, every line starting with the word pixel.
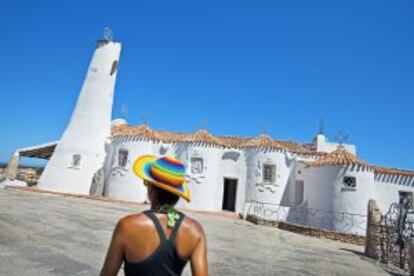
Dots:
pixel 165 260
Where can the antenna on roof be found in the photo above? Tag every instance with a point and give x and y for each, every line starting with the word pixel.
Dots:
pixel 321 127
pixel 341 137
pixel 108 34
pixel 145 119
pixel 204 123
pixel 124 111
pixel 264 128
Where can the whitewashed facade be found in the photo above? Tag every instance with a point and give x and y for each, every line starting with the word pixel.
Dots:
pixel 326 189
pixel 321 184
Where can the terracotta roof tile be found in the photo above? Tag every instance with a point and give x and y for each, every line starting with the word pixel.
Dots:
pixel 233 141
pixel 205 137
pixel 383 170
pixel 141 130
pixel 263 141
pixel 339 157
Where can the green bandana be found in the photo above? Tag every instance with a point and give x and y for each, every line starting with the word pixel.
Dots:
pixel 172 214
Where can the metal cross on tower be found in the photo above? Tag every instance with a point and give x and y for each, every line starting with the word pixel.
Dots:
pixel 108 34
pixel 204 123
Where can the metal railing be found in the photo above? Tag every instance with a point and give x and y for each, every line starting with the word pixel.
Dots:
pixel 343 222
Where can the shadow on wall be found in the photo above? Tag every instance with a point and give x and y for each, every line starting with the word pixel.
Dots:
pixel 291 166
pixel 231 155
pixel 312 217
pixel 180 149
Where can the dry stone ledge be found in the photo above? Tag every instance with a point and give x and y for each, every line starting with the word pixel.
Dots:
pixel 309 231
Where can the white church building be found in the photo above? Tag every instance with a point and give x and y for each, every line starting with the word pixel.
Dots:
pixel 320 184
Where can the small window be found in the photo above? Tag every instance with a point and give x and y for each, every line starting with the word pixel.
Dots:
pixel 114 67
pixel 196 165
pixel 269 173
pixel 76 160
pixel 350 182
pixel 406 199
pixel 122 158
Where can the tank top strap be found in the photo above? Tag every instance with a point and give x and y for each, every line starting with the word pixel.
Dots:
pixel 157 224
pixel 176 226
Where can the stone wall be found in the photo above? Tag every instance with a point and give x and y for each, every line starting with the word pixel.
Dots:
pixel 309 231
pixel 373 234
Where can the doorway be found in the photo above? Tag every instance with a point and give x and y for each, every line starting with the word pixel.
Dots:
pixel 229 194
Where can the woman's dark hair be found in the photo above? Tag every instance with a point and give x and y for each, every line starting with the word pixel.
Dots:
pixel 165 197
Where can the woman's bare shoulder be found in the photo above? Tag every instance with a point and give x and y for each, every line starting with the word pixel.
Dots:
pixel 132 221
pixel 193 226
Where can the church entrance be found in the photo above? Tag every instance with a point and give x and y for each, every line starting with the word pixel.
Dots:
pixel 229 194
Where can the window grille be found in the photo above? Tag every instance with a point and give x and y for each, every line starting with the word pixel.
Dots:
pixel 269 173
pixel 350 182
pixel 122 158
pixel 196 165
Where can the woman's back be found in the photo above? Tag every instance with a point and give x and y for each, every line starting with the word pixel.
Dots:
pixel 143 241
pixel 164 259
pixel 149 247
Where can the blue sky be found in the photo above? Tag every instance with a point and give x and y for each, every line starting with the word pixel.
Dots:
pixel 238 64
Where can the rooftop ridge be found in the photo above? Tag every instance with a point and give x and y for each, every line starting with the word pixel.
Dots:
pixel 339 157
pixel 386 170
pixel 202 135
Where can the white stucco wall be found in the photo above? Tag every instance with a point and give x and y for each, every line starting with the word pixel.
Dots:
pixel 387 188
pixel 256 189
pixel 88 129
pixel 204 186
pixel 121 182
pixel 326 204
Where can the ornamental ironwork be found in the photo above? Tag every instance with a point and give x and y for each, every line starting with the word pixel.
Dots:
pixel 396 232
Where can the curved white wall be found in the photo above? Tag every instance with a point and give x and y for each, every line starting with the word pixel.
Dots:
pixel 337 207
pixel 388 187
pixel 256 189
pixel 121 182
pixel 204 186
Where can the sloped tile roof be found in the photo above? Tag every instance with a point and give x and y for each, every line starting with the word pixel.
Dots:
pixel 383 170
pixel 204 136
pixel 263 141
pixel 141 130
pixel 233 141
pixel 339 157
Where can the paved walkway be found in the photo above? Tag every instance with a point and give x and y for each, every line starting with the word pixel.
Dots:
pixel 43 234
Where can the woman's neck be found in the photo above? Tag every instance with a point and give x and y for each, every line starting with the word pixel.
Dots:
pixel 161 208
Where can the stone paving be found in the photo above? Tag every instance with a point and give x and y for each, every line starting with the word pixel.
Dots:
pixel 44 234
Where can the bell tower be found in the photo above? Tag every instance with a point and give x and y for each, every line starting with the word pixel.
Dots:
pixel 81 150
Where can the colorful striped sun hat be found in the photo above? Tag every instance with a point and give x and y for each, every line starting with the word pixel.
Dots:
pixel 166 173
